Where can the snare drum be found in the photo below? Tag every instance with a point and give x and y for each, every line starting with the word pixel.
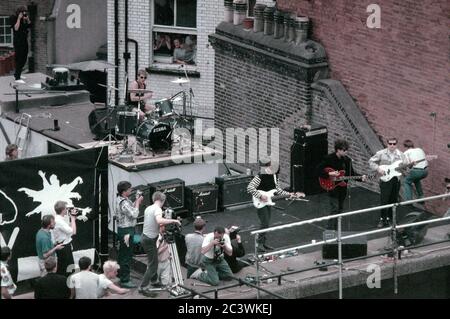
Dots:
pixel 164 108
pixel 126 123
pixel 155 135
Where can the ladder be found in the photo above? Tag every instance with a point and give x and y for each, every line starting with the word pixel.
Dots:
pixel 23 132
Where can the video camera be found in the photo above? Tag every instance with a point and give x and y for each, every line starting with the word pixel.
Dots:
pixel 171 230
pixel 73 211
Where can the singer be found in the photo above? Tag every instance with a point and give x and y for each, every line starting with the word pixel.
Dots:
pixel 338 161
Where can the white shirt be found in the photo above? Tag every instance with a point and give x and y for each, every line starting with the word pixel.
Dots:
pixel 103 284
pixel 62 233
pixel 209 239
pixel 86 284
pixel 151 227
pixel 416 154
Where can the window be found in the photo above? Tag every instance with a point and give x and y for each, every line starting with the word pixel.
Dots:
pixel 6 38
pixel 175 31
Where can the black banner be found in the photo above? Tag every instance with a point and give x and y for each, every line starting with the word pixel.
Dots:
pixel 29 188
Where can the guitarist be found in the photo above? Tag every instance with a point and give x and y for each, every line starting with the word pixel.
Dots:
pixel 265 181
pixel 418 171
pixel 339 161
pixel 388 190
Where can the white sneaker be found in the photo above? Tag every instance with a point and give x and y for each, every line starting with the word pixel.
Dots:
pixel 20 81
pixel 22 77
pixel 196 274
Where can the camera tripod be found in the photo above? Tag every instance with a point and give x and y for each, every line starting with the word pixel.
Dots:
pixel 176 290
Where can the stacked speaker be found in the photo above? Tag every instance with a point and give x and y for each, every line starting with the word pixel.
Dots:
pixel 308 150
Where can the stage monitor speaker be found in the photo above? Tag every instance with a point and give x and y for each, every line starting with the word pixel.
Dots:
pixel 307 151
pixel 413 235
pixel 202 198
pixel 233 190
pixel 174 191
pixel 351 248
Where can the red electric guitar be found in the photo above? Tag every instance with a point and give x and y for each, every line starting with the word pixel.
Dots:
pixel 331 182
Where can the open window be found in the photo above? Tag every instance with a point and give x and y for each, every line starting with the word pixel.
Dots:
pixel 174 32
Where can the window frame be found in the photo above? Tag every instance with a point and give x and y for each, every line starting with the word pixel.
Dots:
pixel 8 29
pixel 170 29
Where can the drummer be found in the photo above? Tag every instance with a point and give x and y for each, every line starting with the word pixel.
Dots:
pixel 139 100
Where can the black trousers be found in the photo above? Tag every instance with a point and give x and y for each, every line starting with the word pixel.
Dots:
pixel 21 59
pixel 336 200
pixel 388 195
pixel 264 215
pixel 65 260
pixel 151 273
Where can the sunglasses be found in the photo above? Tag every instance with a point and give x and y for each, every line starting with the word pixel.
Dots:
pixel 392 143
pixel 143 77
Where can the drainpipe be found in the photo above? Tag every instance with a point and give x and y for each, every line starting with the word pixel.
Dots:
pixel 116 48
pixel 126 54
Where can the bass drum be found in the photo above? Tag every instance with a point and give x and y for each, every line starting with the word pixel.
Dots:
pixel 155 135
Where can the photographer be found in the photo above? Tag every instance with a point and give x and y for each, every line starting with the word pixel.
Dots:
pixel 126 213
pixel 213 248
pixel 153 218
pixel 62 235
pixel 194 243
pixel 238 250
pixel 20 23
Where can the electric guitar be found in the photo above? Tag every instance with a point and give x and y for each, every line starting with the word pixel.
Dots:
pixel 331 182
pixel 396 169
pixel 258 203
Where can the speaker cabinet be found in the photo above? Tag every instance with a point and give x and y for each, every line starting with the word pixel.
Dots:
pixel 351 248
pixel 201 198
pixel 307 151
pixel 233 190
pixel 173 189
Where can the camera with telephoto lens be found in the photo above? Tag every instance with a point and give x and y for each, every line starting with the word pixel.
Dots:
pixel 73 211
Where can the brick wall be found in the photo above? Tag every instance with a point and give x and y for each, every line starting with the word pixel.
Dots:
pixel 255 88
pixel 397 75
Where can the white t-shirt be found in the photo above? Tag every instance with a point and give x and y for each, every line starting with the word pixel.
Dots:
pixel 209 238
pixel 86 284
pixel 103 284
pixel 416 154
pixel 7 279
pixel 151 227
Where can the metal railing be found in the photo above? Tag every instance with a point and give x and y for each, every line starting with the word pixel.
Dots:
pixel 393 229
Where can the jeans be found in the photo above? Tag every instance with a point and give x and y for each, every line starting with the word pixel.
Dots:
pixel 125 253
pixel 414 177
pixel 389 195
pixel 215 269
pixel 336 202
pixel 151 274
pixel 264 215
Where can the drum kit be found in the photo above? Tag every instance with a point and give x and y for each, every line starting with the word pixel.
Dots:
pixel 154 132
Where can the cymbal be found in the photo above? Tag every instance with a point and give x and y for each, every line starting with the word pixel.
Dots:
pixel 180 81
pixel 108 86
pixel 139 91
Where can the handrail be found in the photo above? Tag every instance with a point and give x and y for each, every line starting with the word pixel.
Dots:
pixel 393 229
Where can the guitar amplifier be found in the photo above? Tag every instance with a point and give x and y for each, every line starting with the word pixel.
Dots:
pixel 351 248
pixel 173 189
pixel 233 190
pixel 201 198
